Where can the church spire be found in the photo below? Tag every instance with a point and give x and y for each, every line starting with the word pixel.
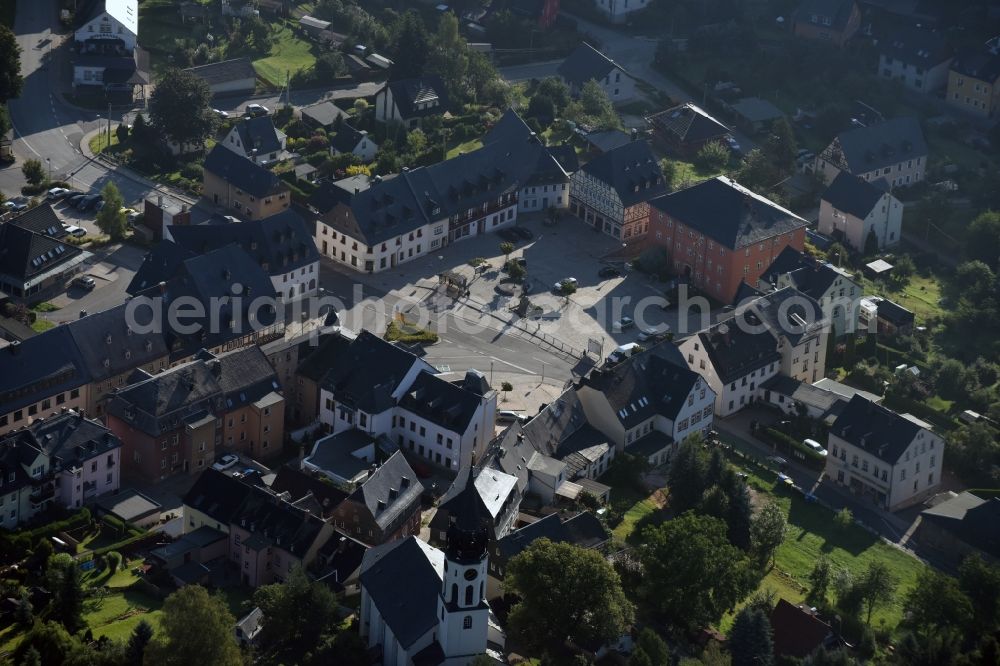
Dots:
pixel 468 534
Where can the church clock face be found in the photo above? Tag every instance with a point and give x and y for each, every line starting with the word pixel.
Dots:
pixel 470 574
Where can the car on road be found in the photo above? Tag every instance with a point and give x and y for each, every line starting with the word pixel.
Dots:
pixel 623 324
pixel 74 199
pixel 559 287
pixel 651 333
pixel 225 462
pixel 509 416
pixel 84 282
pixel 522 232
pixel 609 272
pixel 623 352
pixel 75 231
pixel 508 235
pixel 15 206
pixel 815 446
pixel 778 460
pixel 221 114
pixel 57 193
pixel 255 110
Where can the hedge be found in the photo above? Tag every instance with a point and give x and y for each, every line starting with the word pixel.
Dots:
pixel 792 445
pixel 920 410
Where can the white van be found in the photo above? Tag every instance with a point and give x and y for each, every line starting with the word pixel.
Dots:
pixel 623 352
pixel 815 446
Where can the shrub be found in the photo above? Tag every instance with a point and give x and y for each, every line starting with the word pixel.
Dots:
pixel 192 171
pixel 713 156
pixel 409 334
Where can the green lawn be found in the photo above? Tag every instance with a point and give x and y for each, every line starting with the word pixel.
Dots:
pixel 640 510
pixel 922 296
pixel 99 142
pixel 687 173
pixel 288 55
pixel 42 325
pixel 45 306
pixel 466 147
pixel 116 614
pixel 812 532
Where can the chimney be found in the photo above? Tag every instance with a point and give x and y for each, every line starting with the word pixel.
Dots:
pixel 635 133
pixel 14 348
pixel 163 287
pixel 159 200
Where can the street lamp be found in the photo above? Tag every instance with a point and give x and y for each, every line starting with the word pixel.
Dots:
pixel 48 160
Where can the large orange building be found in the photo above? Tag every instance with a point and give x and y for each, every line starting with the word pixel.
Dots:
pixel 718 234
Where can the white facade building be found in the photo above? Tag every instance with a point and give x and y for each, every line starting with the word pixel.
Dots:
pixel 894 460
pixel 113 20
pixel 852 209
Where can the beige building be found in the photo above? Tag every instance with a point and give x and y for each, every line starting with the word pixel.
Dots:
pixel 894 460
pixel 236 183
pixel 894 150
pixel 974 84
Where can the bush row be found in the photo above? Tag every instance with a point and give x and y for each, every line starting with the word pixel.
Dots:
pixel 790 444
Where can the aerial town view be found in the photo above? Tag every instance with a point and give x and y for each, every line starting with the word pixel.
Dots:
pixel 499 332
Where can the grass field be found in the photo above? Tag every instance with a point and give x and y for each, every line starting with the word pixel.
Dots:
pixel 811 533
pixel 687 173
pixel 465 147
pixel 922 296
pixel 639 512
pixel 42 325
pixel 99 142
pixel 288 55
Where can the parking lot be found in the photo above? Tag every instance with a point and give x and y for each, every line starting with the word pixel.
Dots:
pixel 112 269
pixel 567 249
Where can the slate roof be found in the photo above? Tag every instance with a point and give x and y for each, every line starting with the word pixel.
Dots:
pixel 319 361
pixel 735 353
pixel 160 264
pixel 187 392
pixel 728 213
pixel 242 173
pixel 25 254
pixel 510 452
pixel 586 63
pixel 980 65
pixel 406 93
pixel 796 631
pixel 809 275
pixel 41 219
pixel 441 402
pixel 917 47
pixel 874 147
pixel 853 195
pixel 829 403
pixel 259 133
pixel 493 487
pixel 279 243
pixel 324 114
pixel 299 484
pixel 109 347
pixel 881 432
pixel 838 11
pixel 39 367
pixel 556 423
pixel 368 373
pixel 512 132
pixel 13 459
pixel 217 495
pixel 894 313
pixel 657 381
pixel 788 313
pixel 566 155
pixel 584 530
pixel 347 138
pixel 688 123
pixel 218 274
pixel 70 439
pixel 630 166
pixel 392 489
pixel 276 522
pixel 403 580
pixel 974 520
pixel 215 73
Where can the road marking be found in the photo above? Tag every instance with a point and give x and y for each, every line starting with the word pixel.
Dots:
pixel 499 360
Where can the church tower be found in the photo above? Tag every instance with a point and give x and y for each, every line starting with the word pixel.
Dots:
pixel 463 614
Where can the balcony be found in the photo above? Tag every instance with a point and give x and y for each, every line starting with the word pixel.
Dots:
pixel 89 489
pixel 41 493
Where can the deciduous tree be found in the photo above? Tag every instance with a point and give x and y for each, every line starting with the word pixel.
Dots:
pixel 296 614
pixel 936 603
pixel 686 479
pixel 692 573
pixel 111 219
pixel 981 582
pixel 179 108
pixel 10 65
pixel 875 587
pixel 767 531
pixel 195 628
pixel 565 592
pixel 34 171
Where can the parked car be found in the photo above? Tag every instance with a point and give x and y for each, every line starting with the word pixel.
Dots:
pixel 652 334
pixel 88 202
pixel 623 324
pixel 509 416
pixel 623 352
pixel 508 235
pixel 15 206
pixel 255 110
pixel 559 286
pixel 815 446
pixel 73 230
pixel 225 462
pixel 221 114
pixel 74 199
pixel 57 193
pixel 84 282
pixel 609 272
pixel 522 232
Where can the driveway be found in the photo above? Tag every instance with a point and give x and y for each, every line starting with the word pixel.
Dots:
pixel 112 268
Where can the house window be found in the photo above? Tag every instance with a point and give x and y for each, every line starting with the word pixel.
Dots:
pixel 467 622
